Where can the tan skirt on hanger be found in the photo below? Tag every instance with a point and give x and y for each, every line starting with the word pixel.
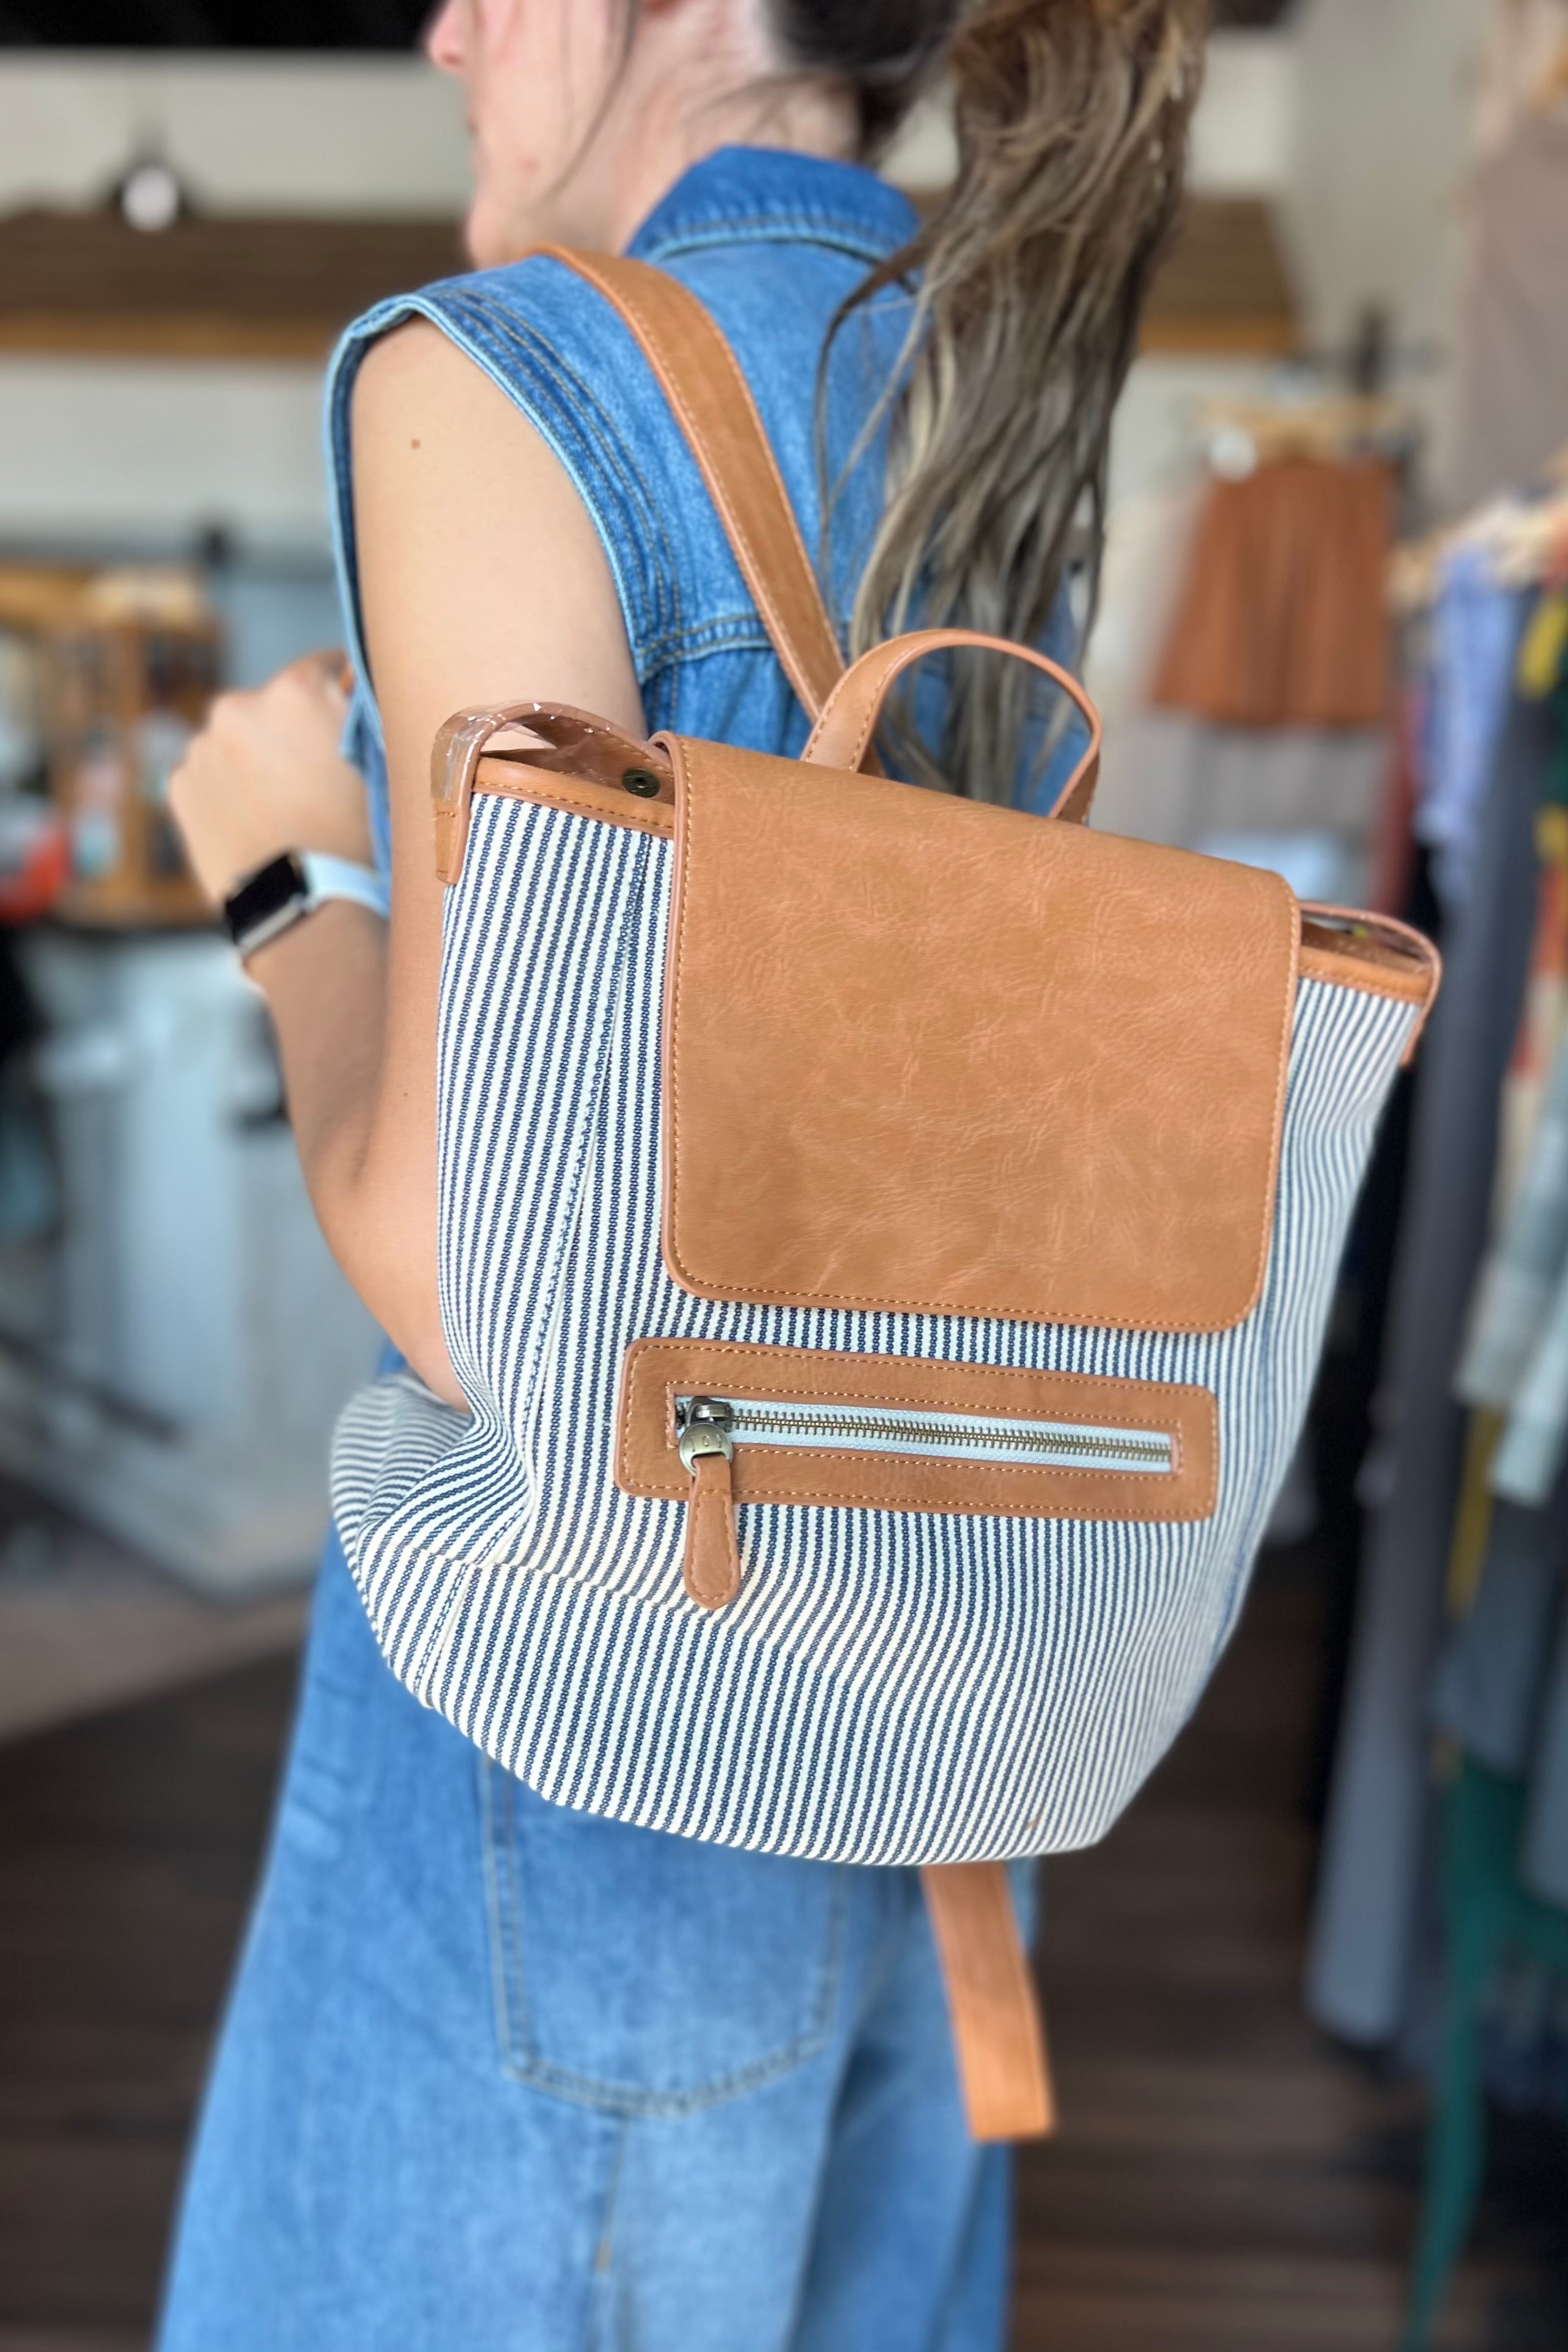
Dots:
pixel 1283 621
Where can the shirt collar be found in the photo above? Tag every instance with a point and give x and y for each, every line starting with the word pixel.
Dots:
pixel 742 195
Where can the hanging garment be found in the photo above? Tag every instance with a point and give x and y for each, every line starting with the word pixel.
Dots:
pixel 1490 1678
pixel 1371 1880
pixel 1544 644
pixel 1473 1512
pixel 1524 42
pixel 1542 1025
pixel 1283 619
pixel 1528 1458
pixel 1392 863
pixel 1515 1358
pixel 1522 1272
pixel 1475 634
pixel 1543 1853
pixel 1500 1692
pixel 1510 379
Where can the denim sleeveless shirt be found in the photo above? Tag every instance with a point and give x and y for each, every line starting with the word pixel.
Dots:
pixel 772 243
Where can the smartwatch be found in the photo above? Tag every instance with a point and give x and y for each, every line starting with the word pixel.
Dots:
pixel 282 892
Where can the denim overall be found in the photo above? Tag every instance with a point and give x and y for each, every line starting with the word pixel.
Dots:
pixel 495 2075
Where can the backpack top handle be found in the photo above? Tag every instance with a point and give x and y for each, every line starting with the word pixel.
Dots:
pixel 843 733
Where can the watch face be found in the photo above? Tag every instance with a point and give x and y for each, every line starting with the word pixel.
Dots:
pixel 266 902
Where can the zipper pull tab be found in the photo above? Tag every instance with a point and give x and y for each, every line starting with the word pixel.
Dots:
pixel 711 1566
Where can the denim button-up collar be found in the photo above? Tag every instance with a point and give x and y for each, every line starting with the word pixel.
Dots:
pixel 767 195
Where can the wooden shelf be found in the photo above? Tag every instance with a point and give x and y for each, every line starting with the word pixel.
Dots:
pixel 85 285
pixel 1224 289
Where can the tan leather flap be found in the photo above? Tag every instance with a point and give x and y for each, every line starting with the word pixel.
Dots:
pixel 933 1056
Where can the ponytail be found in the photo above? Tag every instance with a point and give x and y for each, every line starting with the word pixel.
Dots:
pixel 1071 119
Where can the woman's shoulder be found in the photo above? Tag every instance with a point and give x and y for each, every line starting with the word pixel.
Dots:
pixel 461 362
pixel 564 357
pixel 538 297
pixel 534 313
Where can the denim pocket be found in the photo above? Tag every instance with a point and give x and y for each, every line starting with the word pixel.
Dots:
pixel 649 1975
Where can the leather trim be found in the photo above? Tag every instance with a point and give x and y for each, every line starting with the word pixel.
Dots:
pixel 998 2034
pixel 1376 966
pixel 658 1371
pixel 511 779
pixel 556 738
pixel 711 1569
pixel 1405 985
pixel 1081 1127
pixel 1376 953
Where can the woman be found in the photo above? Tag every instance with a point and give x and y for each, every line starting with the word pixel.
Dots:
pixel 493 2073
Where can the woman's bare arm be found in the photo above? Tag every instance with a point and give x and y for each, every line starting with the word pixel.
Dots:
pixel 482 581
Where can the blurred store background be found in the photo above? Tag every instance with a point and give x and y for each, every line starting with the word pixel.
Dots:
pixel 1310 2002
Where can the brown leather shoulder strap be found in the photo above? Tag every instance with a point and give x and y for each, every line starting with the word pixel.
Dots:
pixel 700 378
pixel 711 402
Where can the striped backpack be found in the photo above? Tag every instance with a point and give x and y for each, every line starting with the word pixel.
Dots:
pixel 885 1244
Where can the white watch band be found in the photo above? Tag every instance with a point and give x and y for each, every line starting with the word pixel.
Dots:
pixel 340 878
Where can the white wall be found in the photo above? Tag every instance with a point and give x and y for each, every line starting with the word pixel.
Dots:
pixel 1243 129
pixel 1359 119
pixel 1242 144
pixel 1355 122
pixel 1385 116
pixel 247 133
pixel 146 451
pixel 1241 132
pixel 325 135
pixel 131 452
pixel 156 450
pixel 1385 105
pixel 1358 122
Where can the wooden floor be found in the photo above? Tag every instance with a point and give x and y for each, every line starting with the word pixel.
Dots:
pixel 1226 2176
pixel 1224 2179
pixel 85 1625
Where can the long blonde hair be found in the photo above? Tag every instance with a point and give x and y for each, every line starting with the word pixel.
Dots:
pixel 1028 279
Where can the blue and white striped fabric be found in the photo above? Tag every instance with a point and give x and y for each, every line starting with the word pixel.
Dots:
pixel 888 1687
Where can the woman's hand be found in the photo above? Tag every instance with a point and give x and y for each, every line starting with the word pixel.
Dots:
pixel 264 775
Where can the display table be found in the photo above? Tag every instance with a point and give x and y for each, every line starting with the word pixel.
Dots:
pixel 173 1355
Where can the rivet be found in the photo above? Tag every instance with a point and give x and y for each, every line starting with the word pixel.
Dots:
pixel 643 782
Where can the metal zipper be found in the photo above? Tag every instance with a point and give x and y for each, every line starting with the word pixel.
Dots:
pixel 706 1425
pixel 709 1429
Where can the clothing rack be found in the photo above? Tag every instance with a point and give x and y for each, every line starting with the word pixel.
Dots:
pixel 1523 538
pixel 1454 1739
pixel 1551 87
pixel 1237 434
